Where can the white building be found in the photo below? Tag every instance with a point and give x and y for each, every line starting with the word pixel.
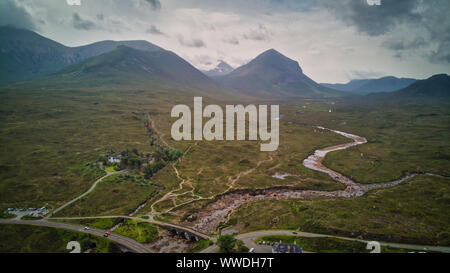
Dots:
pixel 115 159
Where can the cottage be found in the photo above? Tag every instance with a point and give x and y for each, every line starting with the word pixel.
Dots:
pixel 115 159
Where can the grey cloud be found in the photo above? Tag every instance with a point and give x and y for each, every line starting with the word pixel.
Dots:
pixel 363 74
pixel 398 55
pixel 428 19
pixel 259 34
pixel 435 14
pixel 191 42
pixel 231 40
pixel 204 60
pixel 404 45
pixel 375 20
pixel 80 23
pixel 441 54
pixel 154 30
pixel 12 14
pixel 155 4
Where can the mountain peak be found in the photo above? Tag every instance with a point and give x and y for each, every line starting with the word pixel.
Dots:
pixel 223 64
pixel 272 74
pixel 221 69
pixel 276 60
pixel 271 51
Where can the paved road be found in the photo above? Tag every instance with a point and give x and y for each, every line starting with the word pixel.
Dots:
pixel 249 238
pixel 155 222
pixel 130 244
pixel 84 194
pixel 249 241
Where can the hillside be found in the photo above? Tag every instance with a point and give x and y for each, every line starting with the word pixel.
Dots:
pixel 25 55
pixel 437 86
pixel 126 66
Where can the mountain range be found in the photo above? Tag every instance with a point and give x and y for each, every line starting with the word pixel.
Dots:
pixel 130 66
pixel 366 86
pixel 39 61
pixel 25 55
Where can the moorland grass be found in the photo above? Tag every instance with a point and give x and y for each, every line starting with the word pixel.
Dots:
pixel 140 231
pixel 33 239
pixel 116 195
pixel 413 212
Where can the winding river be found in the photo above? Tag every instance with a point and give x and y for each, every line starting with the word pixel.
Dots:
pixel 209 217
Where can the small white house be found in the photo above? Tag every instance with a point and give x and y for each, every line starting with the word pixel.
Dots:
pixel 114 159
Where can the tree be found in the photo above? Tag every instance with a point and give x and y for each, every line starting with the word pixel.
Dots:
pixel 148 172
pixel 152 141
pixel 226 243
pixel 153 167
pixel 103 159
pixel 173 154
pixel 159 155
pixel 229 244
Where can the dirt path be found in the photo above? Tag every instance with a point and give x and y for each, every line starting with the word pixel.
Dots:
pixel 84 194
pixel 231 182
pixel 153 127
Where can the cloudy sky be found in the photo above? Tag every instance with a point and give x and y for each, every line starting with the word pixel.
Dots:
pixel 334 41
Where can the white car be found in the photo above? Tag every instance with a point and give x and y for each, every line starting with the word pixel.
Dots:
pixel 86 228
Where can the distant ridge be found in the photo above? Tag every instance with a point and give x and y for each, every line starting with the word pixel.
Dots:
pixel 271 74
pixel 366 86
pixel 435 89
pixel 437 86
